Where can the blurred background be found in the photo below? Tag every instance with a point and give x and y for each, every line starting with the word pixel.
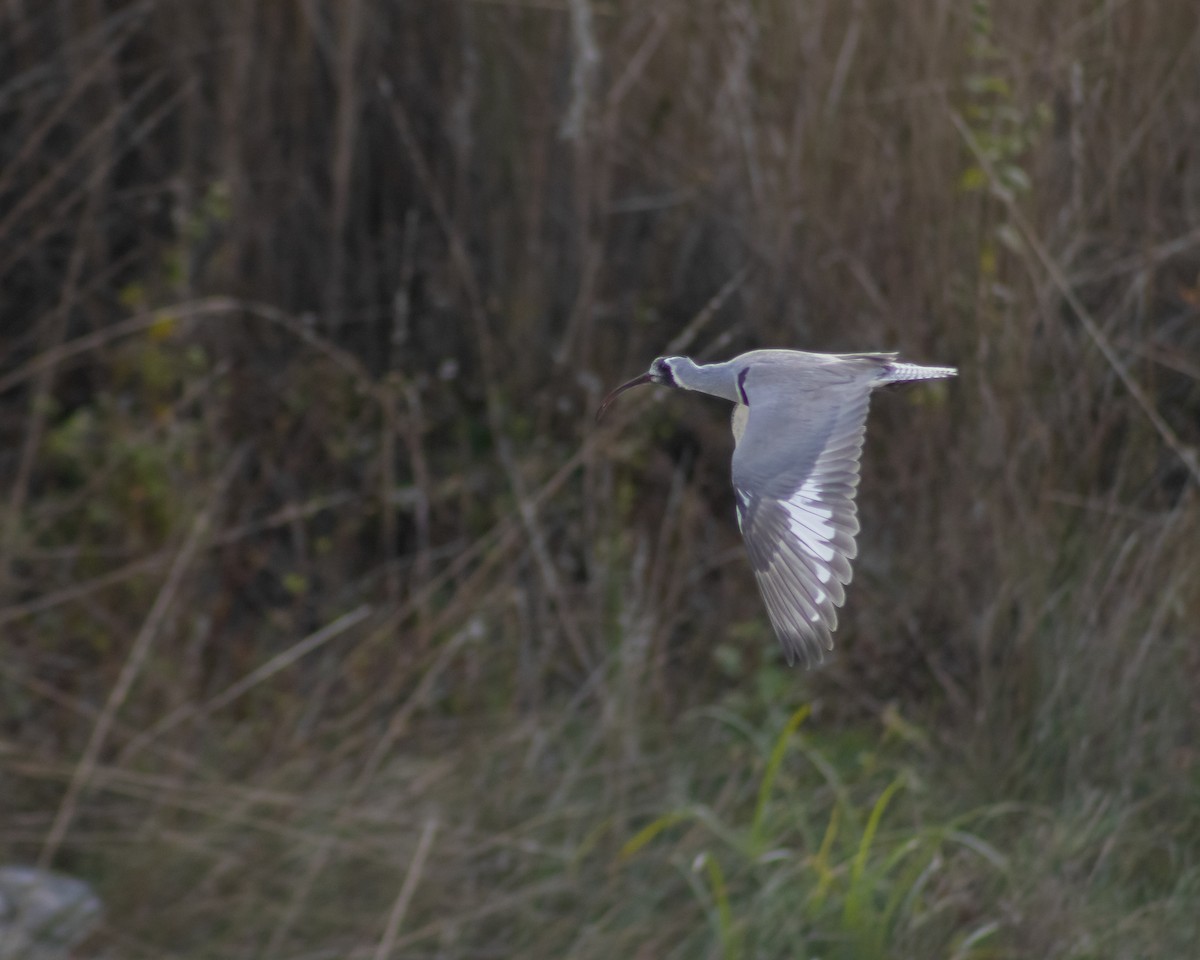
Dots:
pixel 332 624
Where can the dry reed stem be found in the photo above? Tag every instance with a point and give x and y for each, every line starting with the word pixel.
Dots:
pixel 1184 66
pixel 636 65
pixel 86 711
pixel 346 125
pixel 466 273
pixel 584 64
pixel 260 674
pixel 388 526
pixel 39 409
pixel 39 406
pixel 78 591
pixel 1188 456
pixel 206 801
pixel 423 486
pixel 474 912
pixel 61 212
pixel 326 847
pixel 138 323
pixel 545 564
pixel 62 170
pixel 396 918
pixel 136 659
pixel 459 256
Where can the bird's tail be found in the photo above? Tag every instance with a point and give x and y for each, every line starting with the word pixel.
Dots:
pixel 897 372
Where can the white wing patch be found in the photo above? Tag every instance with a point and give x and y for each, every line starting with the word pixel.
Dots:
pixel 810 491
pixel 810 522
pixel 742 506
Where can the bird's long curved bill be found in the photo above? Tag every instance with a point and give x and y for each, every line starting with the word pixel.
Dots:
pixel 607 401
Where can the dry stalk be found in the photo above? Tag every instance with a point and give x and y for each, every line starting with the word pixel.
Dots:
pixel 387 942
pixel 415 430
pixel 388 428
pixel 47 223
pixel 283 517
pixel 138 323
pixel 136 659
pixel 53 336
pixel 77 591
pixel 84 710
pixel 326 846
pixel 1188 456
pixel 281 661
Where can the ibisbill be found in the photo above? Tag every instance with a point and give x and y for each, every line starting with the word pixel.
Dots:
pixel 798 425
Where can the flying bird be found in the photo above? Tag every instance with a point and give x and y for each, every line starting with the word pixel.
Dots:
pixel 798 425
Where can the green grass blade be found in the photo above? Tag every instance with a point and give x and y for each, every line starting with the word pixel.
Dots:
pixel 857 916
pixel 635 843
pixel 820 862
pixel 724 913
pixel 768 781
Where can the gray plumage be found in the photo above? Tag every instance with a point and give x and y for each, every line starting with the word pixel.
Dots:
pixel 798 425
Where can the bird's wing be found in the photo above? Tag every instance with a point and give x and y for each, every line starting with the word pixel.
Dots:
pixel 795 473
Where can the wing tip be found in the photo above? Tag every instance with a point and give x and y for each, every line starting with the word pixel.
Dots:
pixel 809 651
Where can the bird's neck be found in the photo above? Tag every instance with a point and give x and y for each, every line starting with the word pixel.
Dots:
pixel 716 379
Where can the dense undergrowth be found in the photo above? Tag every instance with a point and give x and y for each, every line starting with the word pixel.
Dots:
pixel 333 626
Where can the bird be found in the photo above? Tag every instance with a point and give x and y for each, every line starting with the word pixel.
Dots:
pixel 798 424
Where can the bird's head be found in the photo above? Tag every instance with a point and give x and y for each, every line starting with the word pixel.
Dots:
pixel 662 371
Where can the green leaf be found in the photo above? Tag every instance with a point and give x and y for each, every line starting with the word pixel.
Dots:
pixel 972 179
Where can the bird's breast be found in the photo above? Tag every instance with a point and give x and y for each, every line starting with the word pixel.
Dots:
pixel 741 413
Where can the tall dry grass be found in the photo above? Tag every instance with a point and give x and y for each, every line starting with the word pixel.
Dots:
pixel 333 626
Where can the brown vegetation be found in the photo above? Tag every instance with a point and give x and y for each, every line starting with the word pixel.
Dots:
pixel 332 626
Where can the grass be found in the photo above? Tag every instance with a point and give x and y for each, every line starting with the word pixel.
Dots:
pixel 333 625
